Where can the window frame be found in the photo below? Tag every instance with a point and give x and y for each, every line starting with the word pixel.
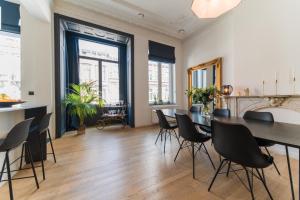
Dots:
pixel 15 35
pixel 100 61
pixel 172 84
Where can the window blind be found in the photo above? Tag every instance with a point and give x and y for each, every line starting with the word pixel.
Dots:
pixel 10 17
pixel 161 52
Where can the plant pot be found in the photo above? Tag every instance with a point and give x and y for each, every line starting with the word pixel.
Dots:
pixel 81 130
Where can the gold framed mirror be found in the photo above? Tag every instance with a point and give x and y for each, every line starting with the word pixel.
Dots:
pixel 205 75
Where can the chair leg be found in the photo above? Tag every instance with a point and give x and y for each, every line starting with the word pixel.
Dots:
pixel 212 163
pixel 216 174
pixel 177 137
pixel 32 166
pixel 193 153
pixel 159 134
pixel 51 144
pixel 228 169
pixel 273 161
pixel 165 140
pixel 11 195
pixel 2 170
pixel 264 183
pixel 22 154
pixel 178 150
pixel 249 182
pixel 42 157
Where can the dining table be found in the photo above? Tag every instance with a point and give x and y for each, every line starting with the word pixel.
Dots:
pixel 285 134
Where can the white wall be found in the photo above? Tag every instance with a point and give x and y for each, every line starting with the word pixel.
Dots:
pixel 37 62
pixel 255 40
pixel 143 115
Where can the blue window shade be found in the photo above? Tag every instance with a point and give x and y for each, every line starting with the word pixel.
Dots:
pixel 10 17
pixel 161 52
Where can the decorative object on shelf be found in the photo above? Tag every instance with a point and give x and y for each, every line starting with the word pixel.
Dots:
pixel 204 96
pixel 213 9
pixel 82 101
pixel 226 90
pixel 247 91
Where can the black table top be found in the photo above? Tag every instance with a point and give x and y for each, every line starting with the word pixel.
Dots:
pixel 277 132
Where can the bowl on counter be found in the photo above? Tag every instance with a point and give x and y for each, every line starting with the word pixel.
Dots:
pixel 8 103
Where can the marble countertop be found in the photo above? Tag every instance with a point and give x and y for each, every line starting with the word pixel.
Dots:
pixel 22 106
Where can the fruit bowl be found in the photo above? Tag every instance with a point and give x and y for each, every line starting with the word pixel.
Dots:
pixel 9 103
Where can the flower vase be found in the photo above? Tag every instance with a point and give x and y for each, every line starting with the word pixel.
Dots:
pixel 205 110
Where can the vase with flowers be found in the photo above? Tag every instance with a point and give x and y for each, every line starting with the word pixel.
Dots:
pixel 203 96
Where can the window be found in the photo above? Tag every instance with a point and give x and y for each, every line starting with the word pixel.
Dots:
pixel 10 67
pixel 100 63
pixel 161 83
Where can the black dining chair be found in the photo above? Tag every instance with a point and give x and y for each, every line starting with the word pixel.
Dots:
pixel 166 128
pixel 191 136
pixel 235 143
pixel 17 136
pixel 195 108
pixel 264 117
pixel 42 128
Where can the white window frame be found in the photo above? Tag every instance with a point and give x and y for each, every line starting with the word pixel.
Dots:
pixel 172 85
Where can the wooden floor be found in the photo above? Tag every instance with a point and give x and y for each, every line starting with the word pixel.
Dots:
pixel 117 164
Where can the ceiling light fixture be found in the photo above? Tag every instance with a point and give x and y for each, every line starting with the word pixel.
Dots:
pixel 213 8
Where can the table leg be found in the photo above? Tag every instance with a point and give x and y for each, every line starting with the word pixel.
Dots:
pixel 290 172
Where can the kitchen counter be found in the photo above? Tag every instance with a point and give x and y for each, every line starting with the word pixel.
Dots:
pixel 23 106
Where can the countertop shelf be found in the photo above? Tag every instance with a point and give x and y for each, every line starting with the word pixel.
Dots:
pixel 23 106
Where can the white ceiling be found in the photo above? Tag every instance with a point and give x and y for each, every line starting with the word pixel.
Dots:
pixel 166 16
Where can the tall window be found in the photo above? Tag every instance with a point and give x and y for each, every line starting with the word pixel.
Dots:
pixel 161 83
pixel 100 63
pixel 10 68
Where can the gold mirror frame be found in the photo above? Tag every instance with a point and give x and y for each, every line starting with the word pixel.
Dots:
pixel 218 63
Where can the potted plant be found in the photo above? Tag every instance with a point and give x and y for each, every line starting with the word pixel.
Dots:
pixel 203 96
pixel 82 101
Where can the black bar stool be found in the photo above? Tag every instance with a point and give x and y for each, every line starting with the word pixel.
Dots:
pixel 42 128
pixel 18 135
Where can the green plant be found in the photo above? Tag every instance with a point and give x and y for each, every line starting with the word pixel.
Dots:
pixel 203 96
pixel 82 101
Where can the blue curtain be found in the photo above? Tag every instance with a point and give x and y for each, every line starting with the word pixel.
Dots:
pixel 123 73
pixel 72 73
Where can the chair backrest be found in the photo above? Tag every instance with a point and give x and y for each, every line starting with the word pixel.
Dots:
pixel 186 127
pixel 17 135
pixel 162 120
pixel 259 116
pixel 195 109
pixel 236 143
pixel 44 123
pixel 218 112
